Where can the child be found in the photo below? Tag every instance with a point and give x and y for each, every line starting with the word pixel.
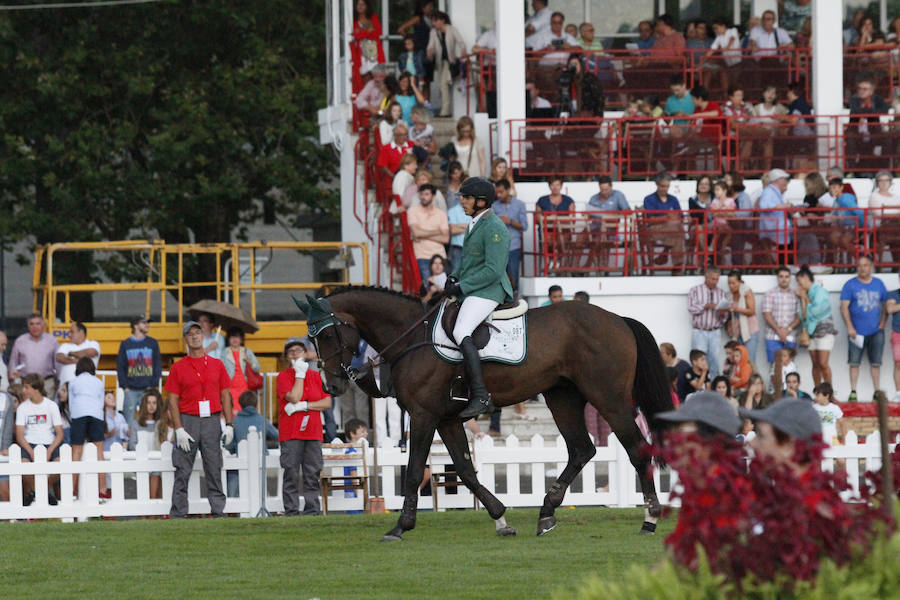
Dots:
pixel 784 364
pixel 847 215
pixel 144 432
pixel 357 433
pixel 723 203
pixel 116 425
pixel 728 45
pixel 412 60
pixel 830 414
pixel 697 379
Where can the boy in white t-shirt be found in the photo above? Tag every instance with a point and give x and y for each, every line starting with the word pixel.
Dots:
pixel 78 346
pixel 830 414
pixel 723 54
pixel 38 423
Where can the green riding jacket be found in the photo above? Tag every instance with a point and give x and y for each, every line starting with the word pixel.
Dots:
pixel 485 253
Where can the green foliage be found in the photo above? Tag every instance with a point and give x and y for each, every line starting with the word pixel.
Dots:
pixel 877 575
pixel 178 119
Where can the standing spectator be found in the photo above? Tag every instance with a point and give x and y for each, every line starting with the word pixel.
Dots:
pixel 86 413
pixel 72 351
pixel 404 180
pixel 422 135
pixel 740 112
pixel 237 359
pixel 458 222
pixel 455 176
pixel 512 212
pixel 366 50
pixel 552 38
pixel 698 40
pixel 198 397
pixel 500 170
pixel 38 423
pixel 445 48
pixel 429 229
pixel 744 325
pixel 116 428
pixel 245 419
pixel 862 307
pixel 708 306
pixel 539 19
pixel 409 95
pixel 420 23
pixel 815 312
pixel 354 402
pixel 4 370
pixel 767 39
pixel 390 155
pixel 301 402
pixel 774 225
pixel 35 352
pixel 412 61
pixel 8 405
pixel 213 340
pixel 781 312
pixel 357 433
pixel 62 401
pixel 150 413
pixel 829 413
pixel 892 307
pixel 665 227
pixel 469 150
pixel 722 215
pixel 138 366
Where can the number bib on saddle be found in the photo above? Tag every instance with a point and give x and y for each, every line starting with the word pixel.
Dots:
pixel 508 346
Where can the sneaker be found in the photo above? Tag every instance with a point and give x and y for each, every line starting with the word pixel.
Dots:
pixel 29 499
pixel 51 498
pixel 852 397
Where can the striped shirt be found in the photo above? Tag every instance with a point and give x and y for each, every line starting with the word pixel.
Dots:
pixel 705 318
pixel 784 307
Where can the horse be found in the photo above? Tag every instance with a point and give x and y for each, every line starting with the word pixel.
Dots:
pixel 577 353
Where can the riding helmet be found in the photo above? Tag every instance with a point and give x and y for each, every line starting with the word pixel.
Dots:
pixel 479 187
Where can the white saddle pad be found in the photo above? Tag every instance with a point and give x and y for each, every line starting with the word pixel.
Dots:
pixel 508 346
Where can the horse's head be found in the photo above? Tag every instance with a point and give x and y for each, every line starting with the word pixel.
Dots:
pixel 336 339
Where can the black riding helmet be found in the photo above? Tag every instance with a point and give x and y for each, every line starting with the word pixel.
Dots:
pixel 479 187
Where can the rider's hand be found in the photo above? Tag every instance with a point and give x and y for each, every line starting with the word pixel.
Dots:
pixel 452 287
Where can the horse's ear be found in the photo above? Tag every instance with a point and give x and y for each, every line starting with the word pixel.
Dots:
pixel 303 306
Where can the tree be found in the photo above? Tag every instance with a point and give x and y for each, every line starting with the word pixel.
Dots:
pixel 178 120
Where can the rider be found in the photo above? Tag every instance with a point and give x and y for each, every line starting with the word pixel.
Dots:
pixel 480 282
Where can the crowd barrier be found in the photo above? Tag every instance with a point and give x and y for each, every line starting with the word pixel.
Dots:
pixel 518 474
pixel 642 242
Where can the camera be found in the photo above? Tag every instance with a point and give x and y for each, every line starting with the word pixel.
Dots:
pixel 565 78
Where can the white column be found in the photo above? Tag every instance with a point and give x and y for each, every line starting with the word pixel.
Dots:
pixel 758 7
pixel 510 18
pixel 385 27
pixel 827 58
pixel 462 16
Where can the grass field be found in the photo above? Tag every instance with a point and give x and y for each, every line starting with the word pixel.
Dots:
pixel 449 555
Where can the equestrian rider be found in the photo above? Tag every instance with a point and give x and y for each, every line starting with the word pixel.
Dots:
pixel 479 282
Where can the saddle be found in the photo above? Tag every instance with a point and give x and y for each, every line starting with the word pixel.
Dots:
pixel 482 334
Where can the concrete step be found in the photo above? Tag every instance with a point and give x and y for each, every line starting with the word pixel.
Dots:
pixel 511 424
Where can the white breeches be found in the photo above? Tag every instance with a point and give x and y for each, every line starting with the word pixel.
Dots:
pixel 472 313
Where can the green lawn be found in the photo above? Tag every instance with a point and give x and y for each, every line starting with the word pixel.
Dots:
pixel 449 555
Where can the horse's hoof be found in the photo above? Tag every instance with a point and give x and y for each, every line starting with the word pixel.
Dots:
pixel 648 528
pixel 506 531
pixel 389 537
pixel 546 524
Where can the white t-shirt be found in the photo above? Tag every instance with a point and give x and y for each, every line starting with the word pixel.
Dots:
pixel 829 415
pixel 402 180
pixel 540 20
pixel 488 39
pixel 731 55
pixel 766 42
pixel 86 397
pixel 876 201
pixel 66 373
pixel 39 421
pixel 547 39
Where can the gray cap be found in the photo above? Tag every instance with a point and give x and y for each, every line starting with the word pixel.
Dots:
pixel 188 325
pixel 708 408
pixel 293 341
pixel 775 174
pixel 793 416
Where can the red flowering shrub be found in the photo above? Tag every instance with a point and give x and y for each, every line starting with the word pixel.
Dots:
pixel 770 522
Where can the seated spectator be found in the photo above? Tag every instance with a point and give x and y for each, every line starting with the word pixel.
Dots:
pixel 745 227
pixel 552 38
pixel 847 216
pixel 429 229
pixel 535 101
pixel 582 296
pixel 698 39
pixel 781 366
pixel 664 227
pixel 357 434
pixel 767 118
pixel 433 287
pixel 606 200
pixel 409 95
pixel 390 155
pixel 422 135
pixel 792 387
pixel 756 395
pixel 867 32
pixel 649 107
pixel 245 419
pixel 412 60
pixel 863 149
pixel 866 101
pixel 669 40
pixel 405 177
pixel 724 53
pixel 723 207
pixel 697 378
pixel 830 414
pixel 388 121
pixel 369 99
pixel 706 414
pixel 555 201
pixel 469 149
pixel 680 103
pixel 767 39
pixel 884 202
pixel 486 41
pixel 835 171
pixel 500 170
pixel 680 366
pixel 554 295
pixel 572 29
pixel 38 423
pixel 699 203
pixel 741 369
pixel 586 38
pixel 740 112
pixel 411 195
pixel 646 37
pixel 722 386
pixel 893 29
pixel 752 23
pixel 779 426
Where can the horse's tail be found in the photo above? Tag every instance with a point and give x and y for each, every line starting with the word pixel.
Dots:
pixel 652 392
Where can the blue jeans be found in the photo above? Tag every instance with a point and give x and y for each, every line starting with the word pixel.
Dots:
pixel 455 257
pixel 130 405
pixel 513 267
pixel 711 343
pixel 424 268
pixel 329 425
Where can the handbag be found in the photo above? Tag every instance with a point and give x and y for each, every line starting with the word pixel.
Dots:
pixel 733 326
pixel 254 379
pixel 803 337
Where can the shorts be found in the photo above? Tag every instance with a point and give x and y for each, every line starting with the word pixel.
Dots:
pixel 826 342
pixel 87 429
pixel 773 345
pixel 895 345
pixel 52 457
pixel 873 346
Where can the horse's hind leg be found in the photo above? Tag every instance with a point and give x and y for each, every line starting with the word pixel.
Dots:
pixel 567 406
pixel 421 432
pixel 454 437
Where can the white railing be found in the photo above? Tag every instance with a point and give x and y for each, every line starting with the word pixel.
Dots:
pixel 515 473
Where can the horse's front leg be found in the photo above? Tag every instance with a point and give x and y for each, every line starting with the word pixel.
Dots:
pixel 421 433
pixel 454 437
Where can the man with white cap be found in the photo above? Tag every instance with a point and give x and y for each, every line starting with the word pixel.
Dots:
pixel 773 225
pixel 780 425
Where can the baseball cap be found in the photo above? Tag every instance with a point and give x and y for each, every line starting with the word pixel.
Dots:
pixel 293 341
pixel 775 174
pixel 793 416
pixel 708 408
pixel 188 325
pixel 138 319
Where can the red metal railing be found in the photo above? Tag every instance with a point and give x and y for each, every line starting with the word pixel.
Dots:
pixel 640 147
pixel 643 242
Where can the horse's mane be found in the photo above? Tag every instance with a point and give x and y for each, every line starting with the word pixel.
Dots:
pixel 373 288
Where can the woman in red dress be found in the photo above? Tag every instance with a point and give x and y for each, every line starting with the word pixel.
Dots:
pixel 365 49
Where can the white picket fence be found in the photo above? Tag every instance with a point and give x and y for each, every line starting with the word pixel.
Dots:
pixel 517 474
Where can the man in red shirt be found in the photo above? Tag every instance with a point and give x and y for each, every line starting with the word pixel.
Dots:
pixel 198 388
pixel 301 401
pixel 389 155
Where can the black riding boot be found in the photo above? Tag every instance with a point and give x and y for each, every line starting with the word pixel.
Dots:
pixel 479 398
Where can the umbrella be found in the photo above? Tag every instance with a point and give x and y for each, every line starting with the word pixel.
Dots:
pixel 227 315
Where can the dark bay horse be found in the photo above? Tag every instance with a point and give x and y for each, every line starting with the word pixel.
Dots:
pixel 577 353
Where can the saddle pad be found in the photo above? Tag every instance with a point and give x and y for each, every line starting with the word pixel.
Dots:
pixel 508 346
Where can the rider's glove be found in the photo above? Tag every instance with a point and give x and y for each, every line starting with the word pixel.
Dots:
pixel 452 287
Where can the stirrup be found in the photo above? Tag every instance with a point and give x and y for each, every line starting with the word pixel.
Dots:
pixel 477 407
